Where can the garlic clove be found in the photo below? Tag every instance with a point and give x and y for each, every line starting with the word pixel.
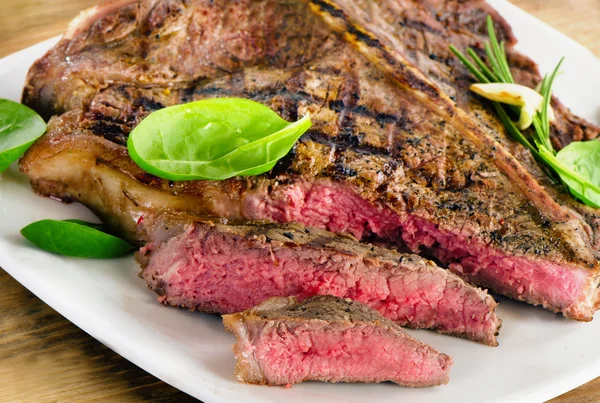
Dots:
pixel 528 99
pixel 526 116
pixel 551 116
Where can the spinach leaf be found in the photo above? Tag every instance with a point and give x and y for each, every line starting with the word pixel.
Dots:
pixel 19 128
pixel 213 139
pixel 75 238
pixel 582 160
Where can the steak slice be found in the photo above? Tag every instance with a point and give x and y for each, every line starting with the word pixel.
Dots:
pixel 224 268
pixel 389 156
pixel 324 338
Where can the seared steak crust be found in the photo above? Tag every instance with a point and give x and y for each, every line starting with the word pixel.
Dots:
pixel 169 44
pixel 178 43
pixel 228 266
pixel 390 154
pixel 283 341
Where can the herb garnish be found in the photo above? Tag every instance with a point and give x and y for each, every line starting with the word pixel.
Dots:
pixel 577 165
pixel 213 139
pixel 75 238
pixel 19 128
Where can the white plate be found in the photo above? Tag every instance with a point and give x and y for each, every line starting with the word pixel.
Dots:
pixel 541 355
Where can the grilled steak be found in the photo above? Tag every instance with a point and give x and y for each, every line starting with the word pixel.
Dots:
pixel 390 155
pixel 283 341
pixel 218 268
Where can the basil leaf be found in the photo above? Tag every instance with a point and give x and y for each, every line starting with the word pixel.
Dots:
pixel 582 159
pixel 75 238
pixel 99 227
pixel 213 139
pixel 19 128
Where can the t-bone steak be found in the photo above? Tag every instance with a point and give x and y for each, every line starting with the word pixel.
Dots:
pixel 399 151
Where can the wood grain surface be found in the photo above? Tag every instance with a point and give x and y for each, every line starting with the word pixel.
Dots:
pixel 45 358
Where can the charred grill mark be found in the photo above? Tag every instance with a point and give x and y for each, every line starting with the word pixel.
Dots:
pixel 130 197
pixel 286 107
pixel 390 167
pixel 342 145
pixel 340 170
pixel 187 94
pixel 412 81
pixel 233 90
pixel 420 27
pixel 210 91
pixel 329 8
pixel 465 206
pixel 349 96
pixel 284 164
pixel 405 125
pixel 366 38
pixel 148 179
pixel 337 105
pixel 383 119
pixel 110 131
pixel 148 104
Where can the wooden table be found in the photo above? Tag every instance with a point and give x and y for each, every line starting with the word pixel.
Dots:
pixel 45 358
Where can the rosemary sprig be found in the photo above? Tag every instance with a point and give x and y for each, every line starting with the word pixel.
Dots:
pixel 576 165
pixel 541 121
pixel 489 75
pixel 497 55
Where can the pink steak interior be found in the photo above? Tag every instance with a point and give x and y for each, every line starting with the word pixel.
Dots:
pixel 337 208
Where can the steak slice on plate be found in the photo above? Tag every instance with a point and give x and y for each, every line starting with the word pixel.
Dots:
pixel 223 268
pixel 324 338
pixel 390 155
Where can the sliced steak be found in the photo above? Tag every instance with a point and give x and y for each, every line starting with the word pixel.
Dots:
pixel 212 267
pixel 283 341
pixel 390 155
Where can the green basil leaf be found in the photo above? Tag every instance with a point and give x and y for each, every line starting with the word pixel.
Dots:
pixel 19 128
pixel 87 224
pixel 582 158
pixel 75 238
pixel 213 139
